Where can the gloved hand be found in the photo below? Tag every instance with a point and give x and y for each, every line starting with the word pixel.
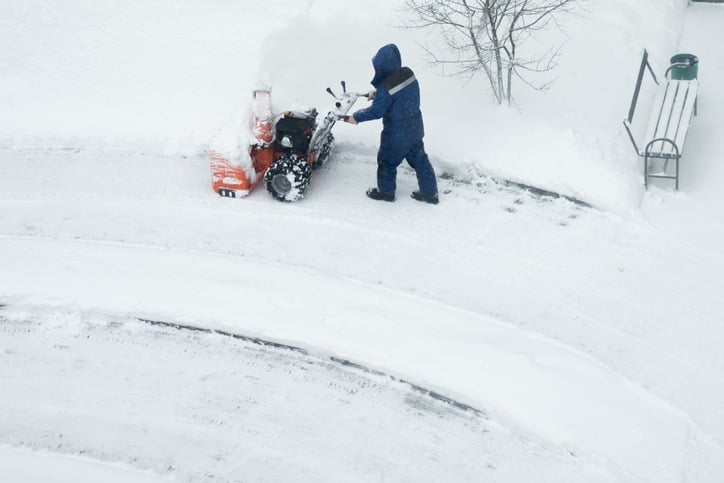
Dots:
pixel 350 119
pixel 371 95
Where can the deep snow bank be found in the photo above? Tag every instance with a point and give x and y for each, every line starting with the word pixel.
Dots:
pixel 98 72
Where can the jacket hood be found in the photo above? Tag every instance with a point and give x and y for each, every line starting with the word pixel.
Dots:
pixel 386 61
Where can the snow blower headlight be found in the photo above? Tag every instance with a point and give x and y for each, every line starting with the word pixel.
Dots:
pixel 281 184
pixel 287 142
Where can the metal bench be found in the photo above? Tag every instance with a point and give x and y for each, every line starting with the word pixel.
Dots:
pixel 675 102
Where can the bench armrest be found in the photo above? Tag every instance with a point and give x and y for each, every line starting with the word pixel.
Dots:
pixel 627 125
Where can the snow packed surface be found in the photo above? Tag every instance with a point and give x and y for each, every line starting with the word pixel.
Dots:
pixel 585 343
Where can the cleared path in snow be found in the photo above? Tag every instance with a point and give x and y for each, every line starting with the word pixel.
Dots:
pixel 604 285
pixel 203 407
pixel 532 385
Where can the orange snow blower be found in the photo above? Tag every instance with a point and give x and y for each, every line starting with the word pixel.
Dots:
pixel 284 149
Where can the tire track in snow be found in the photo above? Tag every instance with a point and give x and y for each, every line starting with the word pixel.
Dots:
pixel 208 406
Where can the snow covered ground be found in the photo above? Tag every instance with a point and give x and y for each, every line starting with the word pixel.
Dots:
pixel 39 467
pixel 235 411
pixel 588 340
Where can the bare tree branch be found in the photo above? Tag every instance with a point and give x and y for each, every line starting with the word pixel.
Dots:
pixel 486 36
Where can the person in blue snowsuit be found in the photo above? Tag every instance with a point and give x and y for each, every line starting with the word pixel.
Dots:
pixel 396 99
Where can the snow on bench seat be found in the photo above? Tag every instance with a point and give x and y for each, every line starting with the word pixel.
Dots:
pixel 670 118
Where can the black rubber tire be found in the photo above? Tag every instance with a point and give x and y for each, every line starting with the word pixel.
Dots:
pixel 324 151
pixel 288 177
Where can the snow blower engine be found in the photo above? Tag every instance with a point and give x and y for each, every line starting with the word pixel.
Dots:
pixel 286 149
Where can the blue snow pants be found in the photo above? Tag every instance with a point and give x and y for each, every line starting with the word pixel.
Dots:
pixel 390 157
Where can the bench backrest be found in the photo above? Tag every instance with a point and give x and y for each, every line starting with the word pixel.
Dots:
pixel 670 117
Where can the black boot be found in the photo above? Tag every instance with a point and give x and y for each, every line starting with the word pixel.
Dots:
pixel 376 194
pixel 432 199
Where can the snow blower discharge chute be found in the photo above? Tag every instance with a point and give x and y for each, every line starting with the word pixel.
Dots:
pixel 284 149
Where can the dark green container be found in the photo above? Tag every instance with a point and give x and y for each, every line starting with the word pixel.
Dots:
pixel 684 67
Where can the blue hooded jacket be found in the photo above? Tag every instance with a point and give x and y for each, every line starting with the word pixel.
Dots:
pixel 397 100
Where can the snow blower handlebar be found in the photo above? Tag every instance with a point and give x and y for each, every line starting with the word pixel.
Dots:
pixel 337 112
pixel 357 94
pixel 343 103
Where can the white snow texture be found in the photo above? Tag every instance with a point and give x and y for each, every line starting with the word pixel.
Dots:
pixel 499 336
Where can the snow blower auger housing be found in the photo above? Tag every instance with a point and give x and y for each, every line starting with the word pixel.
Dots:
pixel 231 177
pixel 285 150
